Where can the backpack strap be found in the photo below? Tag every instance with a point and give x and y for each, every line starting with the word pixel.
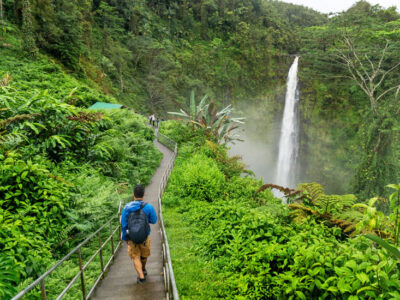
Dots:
pixel 142 205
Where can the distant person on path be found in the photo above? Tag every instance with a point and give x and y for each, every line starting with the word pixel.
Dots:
pixel 151 119
pixel 135 219
pixel 158 122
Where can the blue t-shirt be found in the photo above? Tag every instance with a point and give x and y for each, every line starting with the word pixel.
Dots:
pixel 134 206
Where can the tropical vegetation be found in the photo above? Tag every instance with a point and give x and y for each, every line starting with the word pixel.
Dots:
pixel 246 244
pixel 216 125
pixel 65 168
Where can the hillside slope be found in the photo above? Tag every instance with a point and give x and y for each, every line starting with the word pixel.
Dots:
pixel 63 169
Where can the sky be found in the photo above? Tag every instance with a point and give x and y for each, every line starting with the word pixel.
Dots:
pixel 326 6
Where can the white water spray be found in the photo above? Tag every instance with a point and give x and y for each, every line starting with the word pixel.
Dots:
pixel 289 144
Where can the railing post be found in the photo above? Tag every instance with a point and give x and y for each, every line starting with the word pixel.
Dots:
pixel 82 276
pixel 101 256
pixel 43 289
pixel 112 240
pixel 120 224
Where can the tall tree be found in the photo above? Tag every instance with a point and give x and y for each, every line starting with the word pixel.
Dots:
pixel 371 71
pixel 1 20
pixel 29 44
pixel 369 75
pixel 69 44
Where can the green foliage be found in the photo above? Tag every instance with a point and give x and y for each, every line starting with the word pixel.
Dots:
pixel 349 72
pixel 315 196
pixel 44 74
pixel 391 250
pixel 230 166
pixel 63 171
pixel 178 131
pixel 216 125
pixel 394 200
pixel 255 249
pixel 149 54
pixel 9 277
pixel 202 179
pixel 373 219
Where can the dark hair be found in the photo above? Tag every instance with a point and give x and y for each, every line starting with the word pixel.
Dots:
pixel 138 191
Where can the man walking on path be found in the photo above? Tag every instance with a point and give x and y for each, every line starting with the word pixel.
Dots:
pixel 130 220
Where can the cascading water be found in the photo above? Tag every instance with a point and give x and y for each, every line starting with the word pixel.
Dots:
pixel 288 143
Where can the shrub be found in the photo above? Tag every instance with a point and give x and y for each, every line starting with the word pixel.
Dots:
pixel 257 251
pixel 199 179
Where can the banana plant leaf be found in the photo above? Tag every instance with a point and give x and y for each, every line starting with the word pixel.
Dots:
pixel 391 250
pixel 192 106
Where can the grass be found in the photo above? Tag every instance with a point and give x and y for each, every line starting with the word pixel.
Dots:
pixel 195 277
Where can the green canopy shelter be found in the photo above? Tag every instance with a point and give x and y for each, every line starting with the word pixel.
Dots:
pixel 103 105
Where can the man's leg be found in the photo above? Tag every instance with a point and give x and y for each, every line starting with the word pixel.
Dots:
pixel 134 253
pixel 138 266
pixel 144 254
pixel 143 260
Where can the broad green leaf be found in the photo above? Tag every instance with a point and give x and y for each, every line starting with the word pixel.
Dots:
pixel 300 295
pixel 392 250
pixel 351 264
pixel 333 289
pixel 394 186
pixel 362 277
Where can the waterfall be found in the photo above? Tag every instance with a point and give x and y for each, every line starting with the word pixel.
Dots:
pixel 288 143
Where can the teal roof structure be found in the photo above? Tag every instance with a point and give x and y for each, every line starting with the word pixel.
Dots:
pixel 103 105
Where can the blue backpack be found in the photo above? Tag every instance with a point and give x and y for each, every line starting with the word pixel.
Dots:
pixel 138 226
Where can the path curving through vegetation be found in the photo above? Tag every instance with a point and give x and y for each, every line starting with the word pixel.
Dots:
pixel 120 282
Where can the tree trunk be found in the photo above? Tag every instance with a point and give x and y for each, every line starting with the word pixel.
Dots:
pixel 29 44
pixel 121 80
pixel 204 20
pixel 1 20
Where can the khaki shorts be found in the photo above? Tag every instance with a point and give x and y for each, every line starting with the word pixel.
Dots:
pixel 143 250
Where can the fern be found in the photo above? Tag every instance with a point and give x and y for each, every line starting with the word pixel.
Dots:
pixel 313 190
pixel 333 210
pixel 300 212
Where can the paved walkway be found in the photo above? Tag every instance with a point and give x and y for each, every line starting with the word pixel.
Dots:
pixel 120 282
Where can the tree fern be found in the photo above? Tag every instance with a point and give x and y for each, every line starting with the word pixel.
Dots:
pixel 313 190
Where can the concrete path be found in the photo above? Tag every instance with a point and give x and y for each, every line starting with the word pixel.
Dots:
pixel 120 282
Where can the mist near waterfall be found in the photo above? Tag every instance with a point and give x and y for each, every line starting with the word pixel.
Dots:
pixel 260 135
pixel 271 134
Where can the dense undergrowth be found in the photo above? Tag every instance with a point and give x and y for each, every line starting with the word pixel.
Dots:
pixel 63 171
pixel 251 247
pixel 45 73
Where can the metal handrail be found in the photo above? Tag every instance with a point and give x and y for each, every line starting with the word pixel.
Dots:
pixel 169 278
pixel 41 280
